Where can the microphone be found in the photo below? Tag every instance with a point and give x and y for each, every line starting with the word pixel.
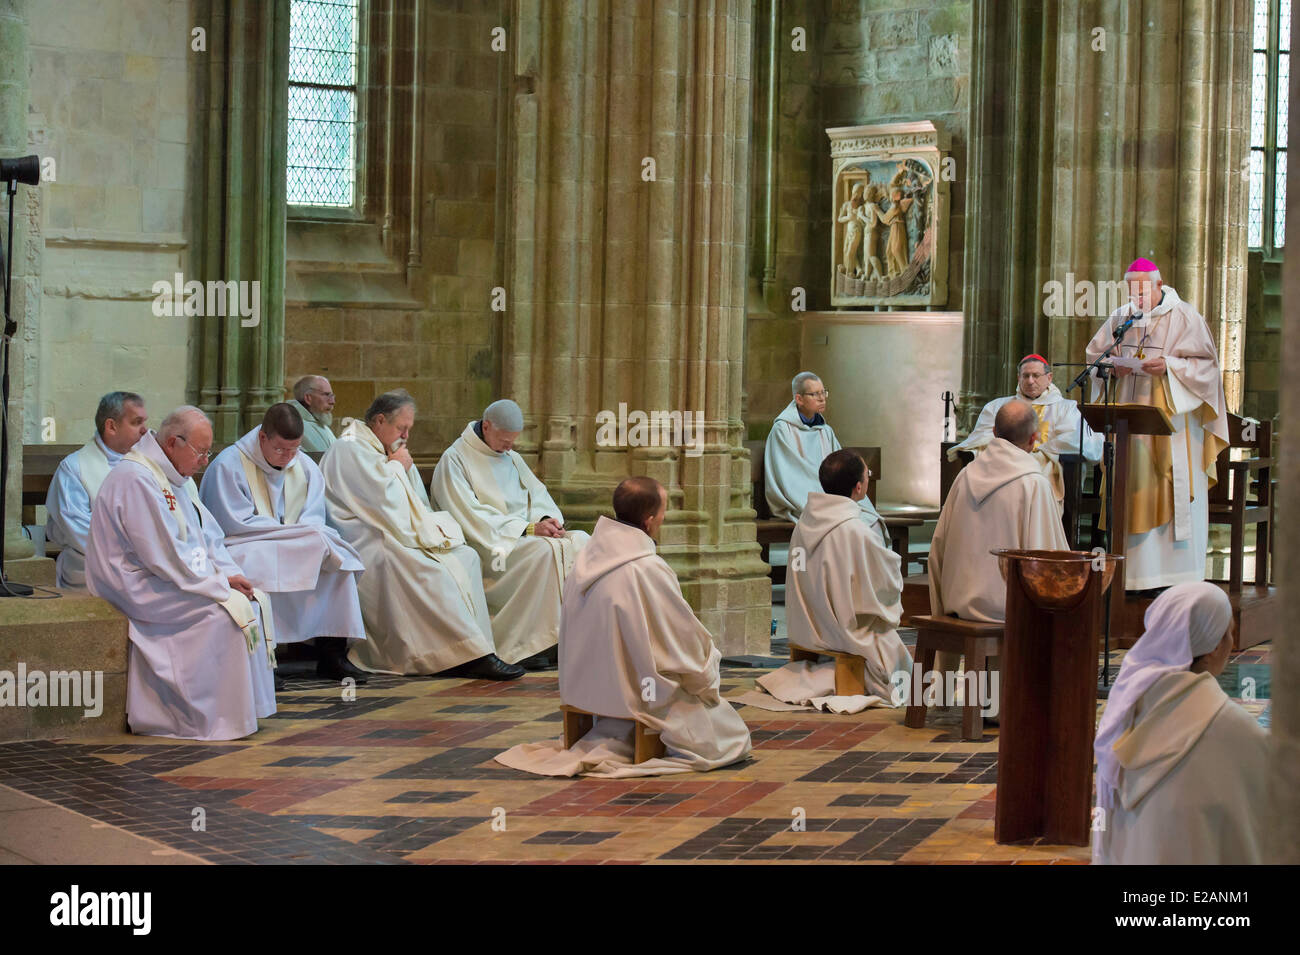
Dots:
pixel 1126 325
pixel 26 170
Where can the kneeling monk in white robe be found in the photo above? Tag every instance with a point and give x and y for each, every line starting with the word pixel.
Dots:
pixel 631 649
pixel 422 592
pixel 796 446
pixel 511 520
pixel 201 654
pixel 845 586
pixel 270 502
pixel 1182 770
pixel 119 424
pixel 1001 499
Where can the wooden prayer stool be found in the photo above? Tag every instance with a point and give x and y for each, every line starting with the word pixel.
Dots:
pixel 975 641
pixel 850 669
pixel 578 723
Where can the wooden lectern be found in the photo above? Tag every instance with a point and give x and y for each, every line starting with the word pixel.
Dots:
pixel 1128 419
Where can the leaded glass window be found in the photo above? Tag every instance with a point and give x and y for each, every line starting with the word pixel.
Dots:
pixel 1270 76
pixel 322 102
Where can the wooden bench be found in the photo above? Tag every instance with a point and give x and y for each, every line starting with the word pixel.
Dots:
pixel 850 669
pixel 578 723
pixel 975 641
pixel 1244 496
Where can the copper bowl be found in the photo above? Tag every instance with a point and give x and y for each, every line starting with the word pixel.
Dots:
pixel 1057 579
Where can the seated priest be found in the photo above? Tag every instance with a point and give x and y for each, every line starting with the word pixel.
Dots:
pixel 631 649
pixel 119 424
pixel 1001 499
pixel 797 445
pixel 270 503
pixel 1058 423
pixel 201 653
pixel 422 593
pixel 844 592
pixel 1181 769
pixel 509 517
pixel 314 399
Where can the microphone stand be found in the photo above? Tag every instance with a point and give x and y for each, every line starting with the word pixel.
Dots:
pixel 1108 468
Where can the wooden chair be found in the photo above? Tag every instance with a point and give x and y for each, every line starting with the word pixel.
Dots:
pixel 975 641
pixel 1244 495
pixel 578 723
pixel 40 461
pixel 850 669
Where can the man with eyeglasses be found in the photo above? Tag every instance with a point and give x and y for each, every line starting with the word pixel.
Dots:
pixel 1058 423
pixel 313 399
pixel 200 653
pixel 270 503
pixel 800 440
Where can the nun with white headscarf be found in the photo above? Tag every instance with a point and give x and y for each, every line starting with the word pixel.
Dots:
pixel 1181 769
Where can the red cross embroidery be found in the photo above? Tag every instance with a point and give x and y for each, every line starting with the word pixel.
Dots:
pixel 170 498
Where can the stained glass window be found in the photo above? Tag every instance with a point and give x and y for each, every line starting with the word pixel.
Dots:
pixel 322 102
pixel 1270 78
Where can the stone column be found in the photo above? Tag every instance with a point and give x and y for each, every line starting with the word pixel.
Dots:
pixel 238 209
pixel 25 259
pixel 1103 132
pixel 628 220
pixel 1284 813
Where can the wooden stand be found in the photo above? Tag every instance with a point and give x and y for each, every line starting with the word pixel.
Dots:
pixel 1048 713
pixel 850 670
pixel 578 723
pixel 1128 420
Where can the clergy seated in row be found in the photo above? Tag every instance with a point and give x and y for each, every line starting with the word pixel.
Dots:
pixel 509 517
pixel 1181 769
pixel 1001 499
pixel 797 445
pixel 201 652
pixel 119 424
pixel 314 400
pixel 422 592
pixel 270 503
pixel 1169 475
pixel 845 589
pixel 631 649
pixel 1058 423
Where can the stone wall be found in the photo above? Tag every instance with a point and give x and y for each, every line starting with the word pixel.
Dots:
pixel 1263 348
pixel 110 105
pixel 412 309
pixel 867 62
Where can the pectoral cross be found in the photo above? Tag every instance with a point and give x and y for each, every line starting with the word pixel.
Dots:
pixel 170 498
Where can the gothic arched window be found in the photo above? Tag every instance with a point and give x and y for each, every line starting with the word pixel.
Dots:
pixel 1271 71
pixel 323 70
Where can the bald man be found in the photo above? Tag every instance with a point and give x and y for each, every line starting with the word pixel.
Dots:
pixel 200 658
pixel 313 397
pixel 510 518
pixel 632 649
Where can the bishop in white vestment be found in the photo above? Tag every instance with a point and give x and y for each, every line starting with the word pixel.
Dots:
pixel 119 424
pixel 1058 423
pixel 632 650
pixel 1169 475
pixel 509 517
pixel 422 593
pixel 844 589
pixel 200 654
pixel 1182 770
pixel 270 503
pixel 797 445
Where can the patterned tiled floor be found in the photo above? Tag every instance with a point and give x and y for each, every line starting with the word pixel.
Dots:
pixel 404 774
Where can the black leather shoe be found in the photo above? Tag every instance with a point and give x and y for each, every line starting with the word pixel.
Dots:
pixel 490 667
pixel 544 660
pixel 337 669
pixel 279 683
